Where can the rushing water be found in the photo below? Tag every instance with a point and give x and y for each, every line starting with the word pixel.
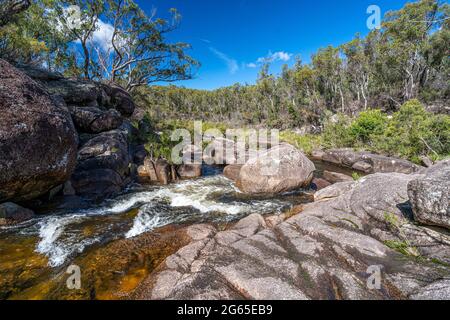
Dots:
pixel 65 234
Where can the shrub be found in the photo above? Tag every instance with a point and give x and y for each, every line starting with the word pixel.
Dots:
pixel 336 132
pixel 410 133
pixel 413 132
pixel 368 125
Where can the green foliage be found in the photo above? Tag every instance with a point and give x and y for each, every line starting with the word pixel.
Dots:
pixel 401 246
pixel 336 132
pixel 404 246
pixel 33 39
pixel 160 145
pixel 189 125
pixel 306 143
pixel 51 35
pixel 367 125
pixel 356 176
pixel 413 132
pixel 409 133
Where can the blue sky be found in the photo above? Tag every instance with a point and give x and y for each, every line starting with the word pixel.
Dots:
pixel 229 36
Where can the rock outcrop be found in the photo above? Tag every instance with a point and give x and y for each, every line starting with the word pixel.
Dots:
pixel 103 165
pixel 365 161
pixel 328 251
pixel 162 172
pixel 282 168
pixel 12 213
pixel 38 141
pixel 84 93
pixel 94 120
pixel 119 100
pixel 319 184
pixel 430 197
pixel 189 171
pixel 335 177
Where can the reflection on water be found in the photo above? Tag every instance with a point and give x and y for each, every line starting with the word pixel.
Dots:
pixel 64 235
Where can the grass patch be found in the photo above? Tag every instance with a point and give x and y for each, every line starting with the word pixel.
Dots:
pixel 356 176
pixel 306 143
pixel 402 247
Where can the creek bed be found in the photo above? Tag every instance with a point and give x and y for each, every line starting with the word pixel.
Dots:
pixel 37 249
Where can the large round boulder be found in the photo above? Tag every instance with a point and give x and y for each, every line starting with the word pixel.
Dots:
pixel 430 196
pixel 38 140
pixel 282 168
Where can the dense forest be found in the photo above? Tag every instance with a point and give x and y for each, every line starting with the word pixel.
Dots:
pixel 407 58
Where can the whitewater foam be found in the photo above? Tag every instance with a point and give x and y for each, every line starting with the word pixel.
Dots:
pixel 62 236
pixel 53 246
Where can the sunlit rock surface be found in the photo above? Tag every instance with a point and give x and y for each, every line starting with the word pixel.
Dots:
pixel 323 252
pixel 430 196
pixel 281 169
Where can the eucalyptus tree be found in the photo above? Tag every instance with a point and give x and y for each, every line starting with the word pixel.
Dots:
pixel 357 68
pixel 31 35
pixel 139 52
pixel 109 40
pixel 328 68
pixel 80 19
pixel 404 42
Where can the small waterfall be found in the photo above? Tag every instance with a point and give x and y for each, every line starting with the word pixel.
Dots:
pixel 211 199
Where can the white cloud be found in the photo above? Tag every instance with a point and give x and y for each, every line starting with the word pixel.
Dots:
pixel 282 56
pixel 232 64
pixel 276 56
pixel 103 35
pixel 251 65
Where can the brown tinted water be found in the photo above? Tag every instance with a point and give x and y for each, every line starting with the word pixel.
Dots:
pixel 120 242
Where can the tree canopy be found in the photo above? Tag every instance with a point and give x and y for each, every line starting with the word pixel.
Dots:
pixel 64 36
